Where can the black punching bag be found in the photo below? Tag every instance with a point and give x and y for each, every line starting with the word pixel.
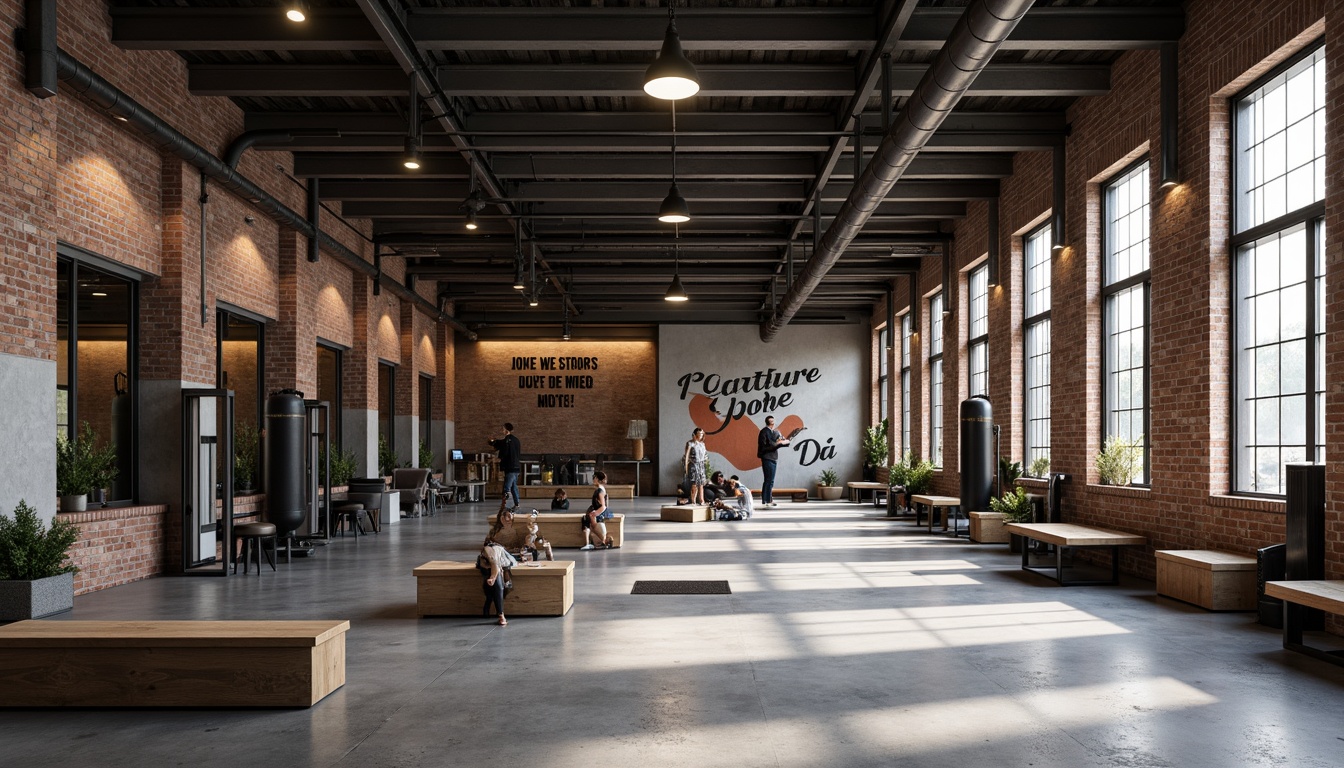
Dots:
pixel 977 454
pixel 286 418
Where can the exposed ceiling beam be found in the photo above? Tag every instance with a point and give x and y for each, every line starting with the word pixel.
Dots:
pixel 645 210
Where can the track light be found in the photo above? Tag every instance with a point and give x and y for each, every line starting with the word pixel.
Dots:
pixel 671 76
pixel 296 11
pixel 411 154
pixel 471 221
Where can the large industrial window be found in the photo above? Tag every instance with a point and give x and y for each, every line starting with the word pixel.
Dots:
pixel 978 345
pixel 387 415
pixel 1125 290
pixel 1278 274
pixel 905 383
pixel 330 360
pixel 1036 324
pixel 884 374
pixel 426 408
pixel 240 342
pixel 95 365
pixel 936 379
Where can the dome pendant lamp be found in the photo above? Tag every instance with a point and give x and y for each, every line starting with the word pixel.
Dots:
pixel 671 76
pixel 675 292
pixel 674 209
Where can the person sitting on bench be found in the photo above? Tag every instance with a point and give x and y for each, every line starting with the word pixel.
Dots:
pixel 595 530
pixel 523 540
pixel 495 563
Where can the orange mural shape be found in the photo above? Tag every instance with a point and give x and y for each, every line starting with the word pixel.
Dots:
pixel 737 440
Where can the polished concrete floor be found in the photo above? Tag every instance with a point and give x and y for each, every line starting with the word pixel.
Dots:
pixel 849 640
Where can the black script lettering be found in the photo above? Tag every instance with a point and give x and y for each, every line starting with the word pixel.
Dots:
pixel 548 363
pixel 687 380
pixel 553 382
pixel 811 374
pixel 578 363
pixel 524 363
pixel 531 382
pixel 810 451
pixel 555 401
pixel 578 382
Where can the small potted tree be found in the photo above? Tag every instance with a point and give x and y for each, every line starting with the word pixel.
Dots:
pixel 828 487
pixel 35 578
pixel 1120 460
pixel 82 468
pixel 874 448
pixel 1011 507
pixel 1040 467
pixel 246 452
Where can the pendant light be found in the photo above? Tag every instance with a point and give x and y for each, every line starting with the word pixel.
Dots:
pixel 671 76
pixel 296 11
pixel 471 221
pixel 410 158
pixel 534 298
pixel 518 283
pixel 676 292
pixel 564 328
pixel 674 209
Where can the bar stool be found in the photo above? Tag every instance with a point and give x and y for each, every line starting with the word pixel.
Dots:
pixel 349 512
pixel 254 536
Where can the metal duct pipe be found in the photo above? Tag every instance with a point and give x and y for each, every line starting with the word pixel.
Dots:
pixel 38 42
pixel 87 83
pixel 978 34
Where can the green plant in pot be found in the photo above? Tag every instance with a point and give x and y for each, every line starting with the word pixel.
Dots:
pixel 1015 506
pixel 426 455
pixel 828 485
pixel 387 458
pixel 1120 461
pixel 874 447
pixel 36 577
pixel 914 475
pixel 1040 466
pixel 1009 471
pixel 343 467
pixel 82 467
pixel 246 455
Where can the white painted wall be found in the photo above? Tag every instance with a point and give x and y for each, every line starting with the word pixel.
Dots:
pixel 28 424
pixel 831 405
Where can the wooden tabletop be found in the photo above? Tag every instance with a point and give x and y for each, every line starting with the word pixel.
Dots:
pixel 1212 559
pixel 539 568
pixel 936 501
pixel 1327 596
pixel 127 634
pixel 865 485
pixel 1070 535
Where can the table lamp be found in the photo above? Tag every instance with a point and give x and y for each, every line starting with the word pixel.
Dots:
pixel 637 431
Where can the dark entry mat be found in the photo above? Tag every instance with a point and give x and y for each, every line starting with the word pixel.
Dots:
pixel 681 588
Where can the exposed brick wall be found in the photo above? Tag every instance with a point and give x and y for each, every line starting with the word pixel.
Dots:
pixel 117 545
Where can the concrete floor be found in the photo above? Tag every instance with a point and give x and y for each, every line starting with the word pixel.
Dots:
pixel 849 640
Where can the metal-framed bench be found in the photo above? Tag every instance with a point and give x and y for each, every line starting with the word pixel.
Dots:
pixel 1064 536
pixel 1298 597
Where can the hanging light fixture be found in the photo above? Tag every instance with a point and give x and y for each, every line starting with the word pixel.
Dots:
pixel 411 154
pixel 471 221
pixel 674 209
pixel 518 283
pixel 671 76
pixel 296 11
pixel 411 148
pixel 564 328
pixel 674 291
pixel 533 298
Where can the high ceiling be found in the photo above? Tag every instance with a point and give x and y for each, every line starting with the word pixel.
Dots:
pixel 545 102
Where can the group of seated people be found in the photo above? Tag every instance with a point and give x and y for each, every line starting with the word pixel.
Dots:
pixel 728 495
pixel 511 542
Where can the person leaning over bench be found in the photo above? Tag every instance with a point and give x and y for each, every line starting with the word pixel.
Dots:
pixel 594 529
pixel 523 540
pixel 495 563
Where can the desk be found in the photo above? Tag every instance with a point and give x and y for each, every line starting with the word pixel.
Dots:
pixel 630 461
pixel 932 503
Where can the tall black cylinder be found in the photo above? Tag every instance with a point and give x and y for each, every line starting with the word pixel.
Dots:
pixel 286 418
pixel 977 454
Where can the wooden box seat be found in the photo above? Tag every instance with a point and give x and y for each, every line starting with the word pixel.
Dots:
pixel 575 492
pixel 1217 581
pixel 446 588
pixel 171 663
pixel 565 529
pixel 687 513
pixel 796 495
pixel 1063 536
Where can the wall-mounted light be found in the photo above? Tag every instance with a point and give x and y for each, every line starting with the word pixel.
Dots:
pixel 992 260
pixel 296 11
pixel 1168 119
pixel 1057 222
pixel 671 76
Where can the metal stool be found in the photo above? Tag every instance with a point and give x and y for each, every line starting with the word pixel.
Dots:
pixel 253 536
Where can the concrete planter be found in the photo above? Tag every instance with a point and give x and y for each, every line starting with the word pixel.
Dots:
pixel 830 492
pixel 987 528
pixel 21 600
pixel 75 503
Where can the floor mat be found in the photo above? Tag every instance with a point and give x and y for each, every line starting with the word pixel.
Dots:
pixel 681 588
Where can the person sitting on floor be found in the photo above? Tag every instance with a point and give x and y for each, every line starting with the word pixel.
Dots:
pixel 738 506
pixel 561 500
pixel 717 488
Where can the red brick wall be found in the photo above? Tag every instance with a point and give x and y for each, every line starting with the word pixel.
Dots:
pixel 117 545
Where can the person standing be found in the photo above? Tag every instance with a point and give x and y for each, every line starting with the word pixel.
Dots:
pixel 767 448
pixel 510 453
pixel 693 465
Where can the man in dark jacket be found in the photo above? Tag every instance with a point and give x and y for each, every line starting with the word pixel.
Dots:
pixel 767 448
pixel 509 452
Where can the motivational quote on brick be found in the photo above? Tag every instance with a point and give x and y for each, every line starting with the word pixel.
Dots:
pixel 555 373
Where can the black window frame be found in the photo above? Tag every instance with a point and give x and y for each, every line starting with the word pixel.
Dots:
pixel 1030 452
pixel 937 412
pixel 977 340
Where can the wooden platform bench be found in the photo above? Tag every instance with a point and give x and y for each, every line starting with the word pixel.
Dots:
pixel 687 513
pixel 446 588
pixel 1217 581
pixel 575 492
pixel 796 495
pixel 857 487
pixel 1064 536
pixel 210 664
pixel 565 529
pixel 1298 597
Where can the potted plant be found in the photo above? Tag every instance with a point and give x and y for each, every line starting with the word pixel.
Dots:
pixel 1011 507
pixel 874 448
pixel 1120 460
pixel 828 488
pixel 82 467
pixel 246 447
pixel 912 474
pixel 35 578
pixel 1009 471
pixel 387 459
pixel 343 467
pixel 426 455
pixel 1040 466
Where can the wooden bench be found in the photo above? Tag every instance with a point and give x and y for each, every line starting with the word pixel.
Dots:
pixel 796 495
pixel 948 504
pixel 445 588
pixel 1217 581
pixel 857 487
pixel 687 513
pixel 1067 536
pixel 1297 597
pixel 171 663
pixel 575 492
pixel 564 529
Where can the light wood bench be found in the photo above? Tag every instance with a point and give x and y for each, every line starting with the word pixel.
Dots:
pixel 1066 536
pixel 797 495
pixel 171 663
pixel 565 529
pixel 446 588
pixel 1218 581
pixel 687 513
pixel 948 504
pixel 857 487
pixel 574 492
pixel 1297 597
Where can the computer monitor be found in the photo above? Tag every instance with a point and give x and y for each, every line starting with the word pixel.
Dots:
pixel 456 455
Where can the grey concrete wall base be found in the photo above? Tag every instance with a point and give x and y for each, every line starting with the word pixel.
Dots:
pixel 441 436
pixel 28 423
pixel 360 434
pixel 408 440
pixel 21 600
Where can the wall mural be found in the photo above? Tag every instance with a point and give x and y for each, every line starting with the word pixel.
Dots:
pixel 547 379
pixel 812 381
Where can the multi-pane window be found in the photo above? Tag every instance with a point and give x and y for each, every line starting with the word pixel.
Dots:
pixel 1125 291
pixel 936 379
pixel 905 383
pixel 883 373
pixel 978 344
pixel 1278 275
pixel 1036 324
